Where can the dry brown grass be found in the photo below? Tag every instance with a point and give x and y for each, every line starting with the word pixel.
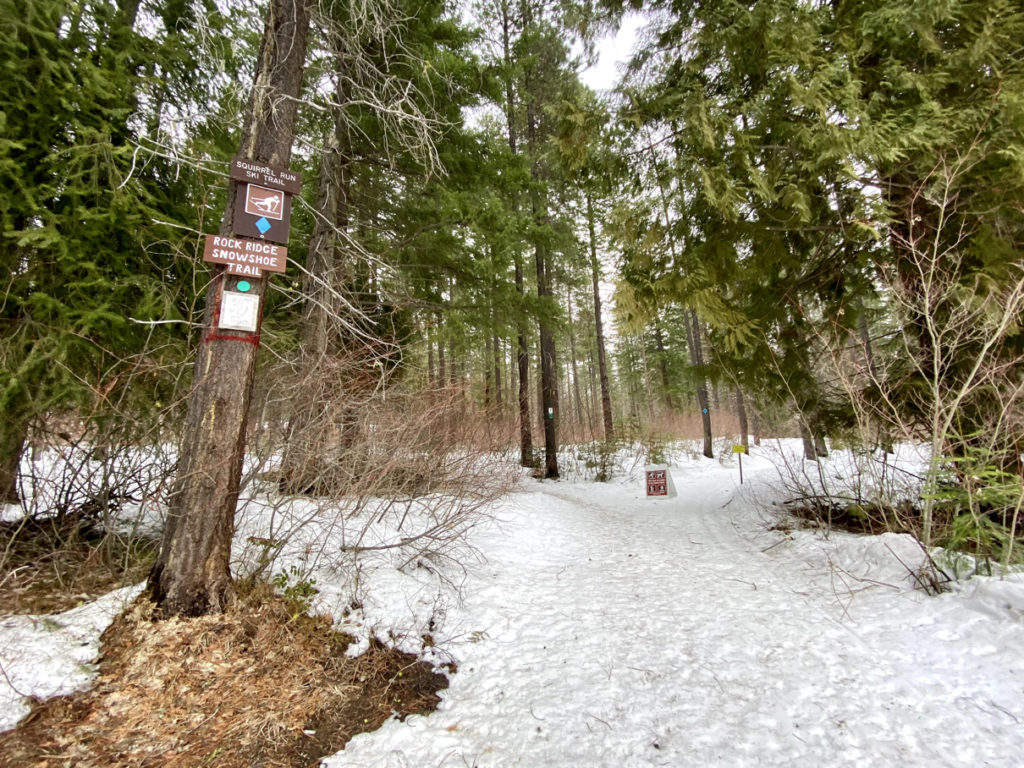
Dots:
pixel 48 566
pixel 252 687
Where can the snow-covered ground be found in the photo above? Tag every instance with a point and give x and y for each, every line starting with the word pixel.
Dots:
pixel 597 627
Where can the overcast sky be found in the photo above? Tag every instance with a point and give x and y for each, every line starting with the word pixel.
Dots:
pixel 612 52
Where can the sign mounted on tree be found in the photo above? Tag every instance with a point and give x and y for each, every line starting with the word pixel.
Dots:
pixel 263 213
pixel 265 175
pixel 239 312
pixel 245 257
pixel 192 574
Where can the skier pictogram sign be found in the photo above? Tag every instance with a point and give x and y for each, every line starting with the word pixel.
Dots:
pixel 262 213
pixel 260 201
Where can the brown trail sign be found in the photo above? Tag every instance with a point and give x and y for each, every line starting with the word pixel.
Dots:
pixel 245 257
pixel 191 576
pixel 262 213
pixel 265 175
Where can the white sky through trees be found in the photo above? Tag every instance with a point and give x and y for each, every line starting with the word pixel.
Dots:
pixel 613 52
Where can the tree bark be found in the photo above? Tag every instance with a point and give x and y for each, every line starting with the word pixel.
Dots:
pixel 659 342
pixel 307 459
pixel 884 438
pixel 549 387
pixel 577 400
pixel 13 436
pixel 697 360
pixel 539 203
pixel 431 374
pixel 810 454
pixel 741 414
pixel 526 458
pixel 498 354
pixel 191 576
pixel 488 371
pixel 602 360
pixel 442 371
pixel 523 366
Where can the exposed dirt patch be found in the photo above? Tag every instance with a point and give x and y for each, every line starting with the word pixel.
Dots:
pixel 253 687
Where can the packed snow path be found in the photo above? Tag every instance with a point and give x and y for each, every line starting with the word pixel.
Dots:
pixel 605 629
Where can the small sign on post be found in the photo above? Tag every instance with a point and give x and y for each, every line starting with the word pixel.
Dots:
pixel 659 481
pixel 739 450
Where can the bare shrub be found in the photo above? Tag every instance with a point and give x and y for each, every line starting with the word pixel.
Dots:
pixel 92 490
pixel 401 472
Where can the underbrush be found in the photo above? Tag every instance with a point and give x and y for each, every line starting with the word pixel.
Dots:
pixel 52 564
pixel 976 523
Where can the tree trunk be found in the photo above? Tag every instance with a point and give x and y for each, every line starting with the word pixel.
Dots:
pixel 659 341
pixel 577 400
pixel 498 354
pixel 431 373
pixel 592 393
pixel 810 454
pixel 442 371
pixel 13 436
pixel 647 383
pixel 693 335
pixel 741 414
pixel 307 458
pixel 548 362
pixel 602 362
pixel 523 365
pixel 488 356
pixel 539 384
pixel 549 386
pixel 884 438
pixel 697 360
pixel 191 575
pixel 634 405
pixel 522 351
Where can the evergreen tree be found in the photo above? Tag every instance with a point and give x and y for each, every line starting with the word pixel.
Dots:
pixel 80 241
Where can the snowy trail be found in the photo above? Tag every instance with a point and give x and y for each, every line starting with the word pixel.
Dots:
pixel 611 630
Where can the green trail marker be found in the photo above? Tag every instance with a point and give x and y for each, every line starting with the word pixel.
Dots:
pixel 243 286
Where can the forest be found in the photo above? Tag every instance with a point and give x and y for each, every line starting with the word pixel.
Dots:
pixel 785 219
